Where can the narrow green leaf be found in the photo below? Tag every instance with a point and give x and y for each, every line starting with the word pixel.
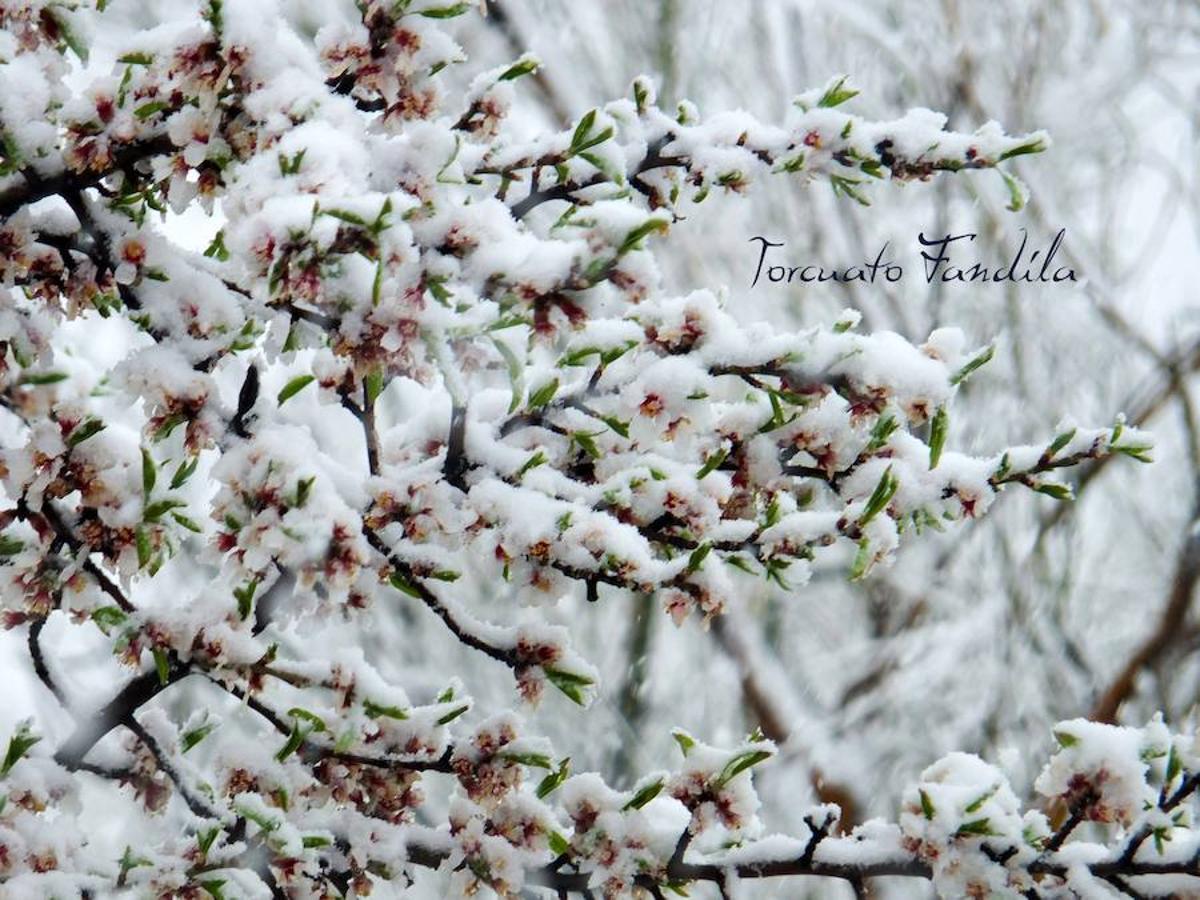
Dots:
pixel 146 110
pixel 18 745
pixel 373 384
pixel 149 473
pixel 644 795
pixel 376 710
pixel 937 435
pixel 978 827
pixel 927 808
pixel 697 557
pixel 837 94
pixel 295 386
pixel 162 665
pixel 82 432
pixel 160 508
pixel 712 462
pixel 554 780
pixel 1034 146
pixel 516 373
pixel 453 714
pixel 980 359
pixel 543 395
pixel 569 683
pixel 402 584
pixel 741 763
pixel 142 541
pixel 526 65
pixel 190 739
pixel 445 12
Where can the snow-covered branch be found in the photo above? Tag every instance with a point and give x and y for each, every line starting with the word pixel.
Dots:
pixel 426 358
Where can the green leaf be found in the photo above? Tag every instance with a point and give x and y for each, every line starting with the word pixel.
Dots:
pixel 245 598
pixel 1055 490
pixel 304 490
pixel 190 739
pixel 128 861
pixel 696 560
pixel 10 546
pixel 143 547
pixel 881 433
pixel 533 760
pixel 293 743
pixel 558 844
pixel 862 560
pixel 375 711
pixel 927 808
pixel 317 723
pixel 569 683
pixel 1058 443
pixel 42 378
pixel 373 384
pixel 108 617
pixel 146 110
pixel 149 473
pixel 205 840
pixel 345 216
pixel 837 94
pixel 216 249
pixel 526 65
pixel 846 187
pixel 1016 192
pixel 168 425
pixel 937 435
pixel 621 428
pixel 636 235
pixel 980 359
pixel 537 459
pixel 162 665
pixel 402 584
pixel 977 827
pixel 1174 765
pixel 516 372
pixel 445 12
pixel 67 32
pixel 977 804
pixel 554 780
pixel 1065 739
pixel 160 508
pixel 644 795
pixel 136 59
pixel 295 386
pixel 880 497
pixel 18 745
pixel 712 462
pixel 82 432
pixel 587 443
pixel 1034 146
pixel 581 131
pixel 187 523
pixel 685 741
pixel 1135 451
pixel 453 714
pixel 741 763
pixel 543 394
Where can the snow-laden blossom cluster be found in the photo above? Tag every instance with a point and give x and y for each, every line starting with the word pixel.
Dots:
pixel 424 354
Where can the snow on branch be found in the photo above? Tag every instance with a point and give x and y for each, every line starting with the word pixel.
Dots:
pixel 423 355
